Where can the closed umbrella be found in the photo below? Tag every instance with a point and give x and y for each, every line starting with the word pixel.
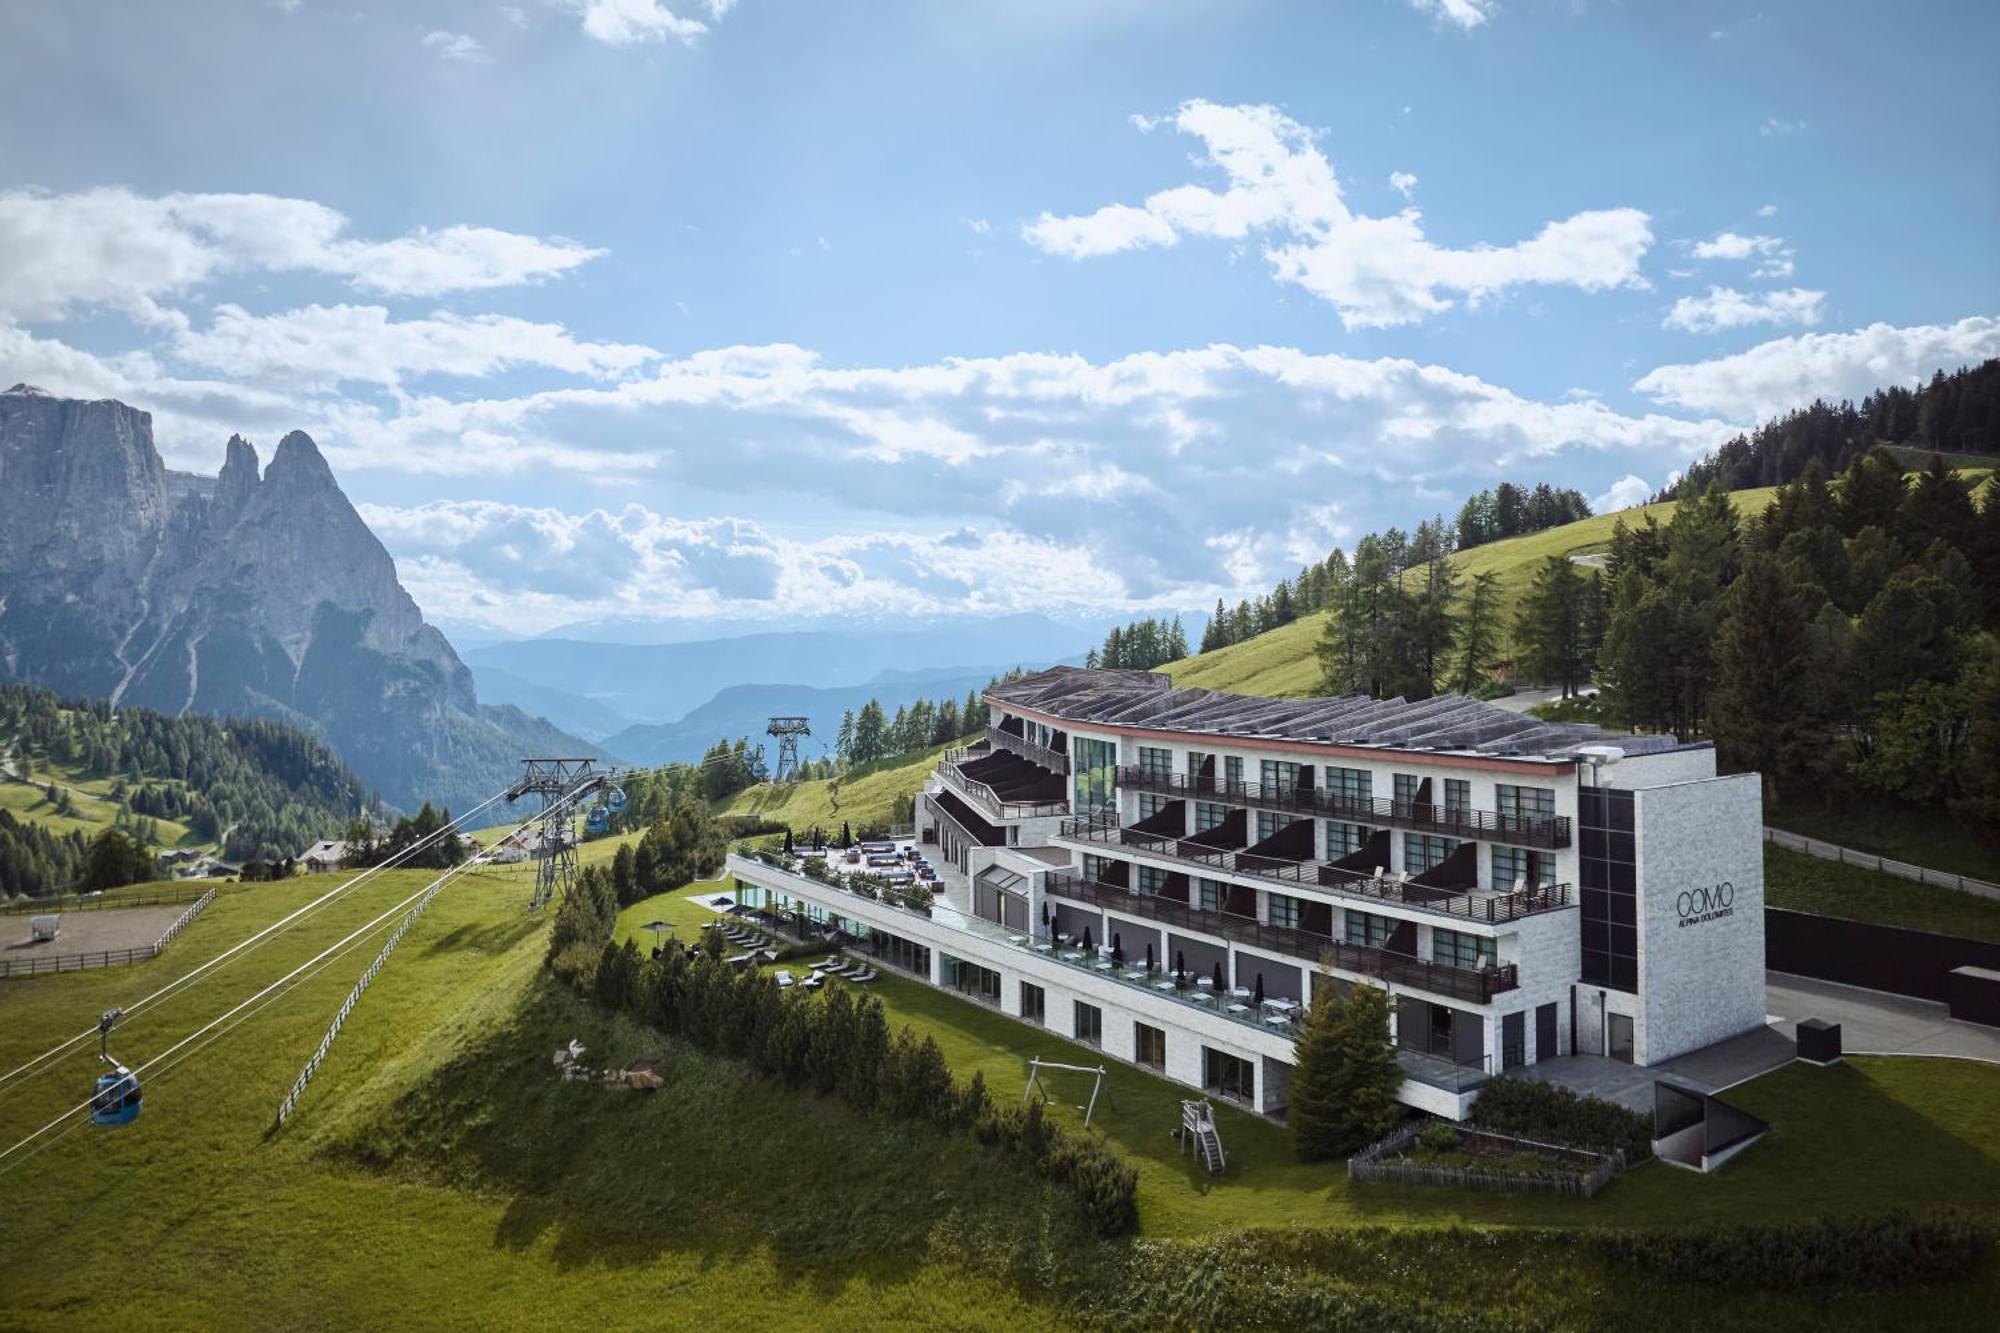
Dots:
pixel 1260 989
pixel 1219 986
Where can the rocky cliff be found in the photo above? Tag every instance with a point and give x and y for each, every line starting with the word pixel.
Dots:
pixel 248 593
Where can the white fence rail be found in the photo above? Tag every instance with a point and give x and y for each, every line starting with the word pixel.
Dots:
pixel 77 962
pixel 1827 851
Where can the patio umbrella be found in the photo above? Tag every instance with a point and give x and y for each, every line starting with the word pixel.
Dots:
pixel 1149 955
pixel 846 838
pixel 656 927
pixel 788 842
pixel 1180 967
pixel 1087 946
pixel 1219 986
pixel 1260 989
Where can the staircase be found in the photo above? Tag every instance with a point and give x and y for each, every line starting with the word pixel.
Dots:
pixel 1198 1130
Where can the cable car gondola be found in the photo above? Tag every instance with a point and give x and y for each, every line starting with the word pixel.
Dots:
pixel 116 1100
pixel 598 820
pixel 614 800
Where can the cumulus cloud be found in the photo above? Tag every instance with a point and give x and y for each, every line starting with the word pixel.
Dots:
pixel 1624 493
pixel 1374 271
pixel 1785 373
pixel 322 346
pixel 1465 15
pixel 1727 308
pixel 457 46
pixel 112 247
pixel 632 22
pixel 1403 183
pixel 1773 257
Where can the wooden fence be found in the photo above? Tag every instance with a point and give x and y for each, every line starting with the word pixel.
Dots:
pixel 1828 851
pixel 1583 1175
pixel 86 902
pixel 77 962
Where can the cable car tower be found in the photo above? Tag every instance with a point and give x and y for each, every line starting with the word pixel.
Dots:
pixel 788 730
pixel 562 785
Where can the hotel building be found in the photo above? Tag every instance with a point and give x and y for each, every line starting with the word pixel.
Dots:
pixel 1168 874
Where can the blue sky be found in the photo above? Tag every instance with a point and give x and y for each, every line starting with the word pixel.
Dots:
pixel 699 310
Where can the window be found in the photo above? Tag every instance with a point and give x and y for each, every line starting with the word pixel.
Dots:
pixel 1512 865
pixel 1284 910
pixel 1353 787
pixel 1097 868
pixel 1525 803
pixel 1208 815
pixel 1150 804
pixel 1208 894
pixel 1278 775
pixel 1424 851
pixel 1345 840
pixel 1156 763
pixel 1407 785
pixel 1149 1046
pixel 1606 878
pixel 1232 772
pixel 970 979
pixel 1089 1024
pixel 1270 824
pixel 1457 795
pixel 899 952
pixel 1195 760
pixel 1152 879
pixel 1229 1076
pixel 1368 929
pixel 1095 764
pixel 1034 1003
pixel 1457 949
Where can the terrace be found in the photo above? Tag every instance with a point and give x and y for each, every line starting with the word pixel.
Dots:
pixel 1476 985
pixel 1445 891
pixel 1539 831
pixel 1003 784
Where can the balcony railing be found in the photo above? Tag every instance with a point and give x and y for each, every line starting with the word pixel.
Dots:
pixel 983 795
pixel 966 836
pixel 1053 760
pixel 1493 908
pixel 1478 985
pixel 1541 831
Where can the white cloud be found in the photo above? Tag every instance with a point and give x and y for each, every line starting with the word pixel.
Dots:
pixel 111 247
pixel 456 46
pixel 515 15
pixel 977 226
pixel 1727 308
pixel 1775 128
pixel 1772 255
pixel 1403 183
pixel 1767 210
pixel 632 22
pixel 1375 271
pixel 1465 15
pixel 1624 493
pixel 322 346
pixel 1785 373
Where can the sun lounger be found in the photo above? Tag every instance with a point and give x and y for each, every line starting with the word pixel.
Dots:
pixel 864 975
pixel 784 980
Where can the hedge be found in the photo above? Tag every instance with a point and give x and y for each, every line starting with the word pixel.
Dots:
pixel 1532 1109
pixel 1894 1249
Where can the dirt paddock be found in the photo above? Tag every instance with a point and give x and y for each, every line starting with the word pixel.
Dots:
pixel 87 932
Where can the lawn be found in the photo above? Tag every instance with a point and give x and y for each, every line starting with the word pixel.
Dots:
pixel 1803 883
pixel 1922 836
pixel 94 807
pixel 867 798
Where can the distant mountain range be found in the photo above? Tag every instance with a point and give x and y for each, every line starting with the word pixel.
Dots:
pixel 743 710
pixel 663 682
pixel 256 592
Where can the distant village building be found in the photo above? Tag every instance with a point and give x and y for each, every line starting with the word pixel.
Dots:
pixel 324 856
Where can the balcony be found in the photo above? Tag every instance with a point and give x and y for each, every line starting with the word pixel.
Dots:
pixel 1013 789
pixel 1041 755
pixel 1476 985
pixel 1539 831
pixel 1478 906
pixel 948 812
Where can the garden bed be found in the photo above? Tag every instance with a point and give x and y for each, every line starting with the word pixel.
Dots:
pixel 1440 1153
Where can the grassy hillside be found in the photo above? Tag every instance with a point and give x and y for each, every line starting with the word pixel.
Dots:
pixel 867 798
pixel 1282 662
pixel 439 1174
pixel 23 791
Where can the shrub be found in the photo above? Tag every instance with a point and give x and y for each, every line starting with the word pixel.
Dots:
pixel 1532 1109
pixel 1438 1137
pixel 1898 1248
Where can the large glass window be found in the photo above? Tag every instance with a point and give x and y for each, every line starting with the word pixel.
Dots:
pixel 1368 929
pixel 1424 851
pixel 1270 824
pixel 1455 948
pixel 1149 1045
pixel 1034 1003
pixel 1345 840
pixel 1525 802
pixel 1607 880
pixel 1232 772
pixel 1457 795
pixel 1089 1024
pixel 1229 1076
pixel 1518 865
pixel 1151 803
pixel 1278 775
pixel 1353 786
pixel 1208 814
pixel 1156 762
pixel 1095 764
pixel 1195 760
pixel 1152 879
pixel 1284 909
pixel 980 983
pixel 1406 788
pixel 1096 867
pixel 1209 894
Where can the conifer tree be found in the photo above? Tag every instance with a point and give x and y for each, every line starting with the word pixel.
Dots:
pixel 1342 1094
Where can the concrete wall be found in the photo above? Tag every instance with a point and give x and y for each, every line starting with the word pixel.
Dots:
pixel 1701 915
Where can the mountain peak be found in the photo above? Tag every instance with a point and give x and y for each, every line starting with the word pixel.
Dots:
pixel 30 391
pixel 238 479
pixel 298 457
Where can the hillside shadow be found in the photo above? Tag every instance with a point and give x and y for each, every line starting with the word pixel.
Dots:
pixel 498 937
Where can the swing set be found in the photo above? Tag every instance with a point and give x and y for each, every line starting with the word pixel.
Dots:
pixel 1035 1067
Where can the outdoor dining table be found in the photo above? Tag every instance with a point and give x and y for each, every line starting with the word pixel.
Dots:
pixel 1202 997
pixel 1206 983
pixel 1163 985
pixel 1282 1005
pixel 1277 1020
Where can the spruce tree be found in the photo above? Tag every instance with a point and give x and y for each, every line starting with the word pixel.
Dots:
pixel 1342 1094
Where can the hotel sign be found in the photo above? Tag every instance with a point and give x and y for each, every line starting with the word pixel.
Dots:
pixel 1697 906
